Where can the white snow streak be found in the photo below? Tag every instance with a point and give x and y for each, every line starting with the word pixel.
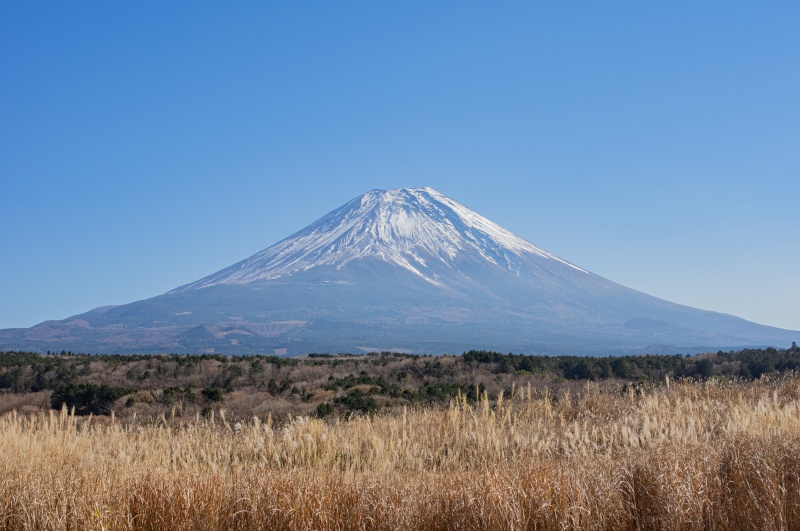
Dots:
pixel 406 227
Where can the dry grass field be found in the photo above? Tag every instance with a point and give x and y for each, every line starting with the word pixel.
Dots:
pixel 675 456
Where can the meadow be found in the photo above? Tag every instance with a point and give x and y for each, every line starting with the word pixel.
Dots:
pixel 685 454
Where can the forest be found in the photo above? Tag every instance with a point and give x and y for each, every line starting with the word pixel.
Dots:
pixel 338 385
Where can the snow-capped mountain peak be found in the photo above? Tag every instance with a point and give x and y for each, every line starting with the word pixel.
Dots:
pixel 406 269
pixel 418 229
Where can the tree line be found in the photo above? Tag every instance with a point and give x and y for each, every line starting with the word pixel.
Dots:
pixel 333 384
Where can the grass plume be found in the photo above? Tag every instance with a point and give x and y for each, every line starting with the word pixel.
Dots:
pixel 684 456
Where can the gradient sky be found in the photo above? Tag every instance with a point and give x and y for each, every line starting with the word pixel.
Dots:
pixel 144 145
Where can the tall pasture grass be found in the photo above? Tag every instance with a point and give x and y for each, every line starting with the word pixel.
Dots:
pixel 681 456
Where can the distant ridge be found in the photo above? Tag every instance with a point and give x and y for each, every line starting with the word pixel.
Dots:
pixel 408 270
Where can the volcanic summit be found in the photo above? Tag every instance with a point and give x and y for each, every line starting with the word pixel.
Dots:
pixel 406 270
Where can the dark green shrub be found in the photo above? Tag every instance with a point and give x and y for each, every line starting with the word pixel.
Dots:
pixel 87 398
pixel 213 394
pixel 323 410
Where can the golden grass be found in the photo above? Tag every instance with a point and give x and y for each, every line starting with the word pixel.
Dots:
pixel 685 456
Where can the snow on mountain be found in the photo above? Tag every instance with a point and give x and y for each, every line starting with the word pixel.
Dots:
pixel 406 269
pixel 417 229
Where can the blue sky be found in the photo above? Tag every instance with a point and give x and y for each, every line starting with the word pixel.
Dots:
pixel 144 145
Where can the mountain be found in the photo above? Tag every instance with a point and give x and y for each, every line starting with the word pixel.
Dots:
pixel 420 231
pixel 408 270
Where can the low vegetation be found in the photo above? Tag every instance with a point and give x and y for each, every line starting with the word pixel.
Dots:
pixel 334 386
pixel 470 442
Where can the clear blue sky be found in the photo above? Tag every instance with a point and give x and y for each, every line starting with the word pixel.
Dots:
pixel 146 144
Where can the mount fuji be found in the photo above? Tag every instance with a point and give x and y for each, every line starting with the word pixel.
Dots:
pixel 405 270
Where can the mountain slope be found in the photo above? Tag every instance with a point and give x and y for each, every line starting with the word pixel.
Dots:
pixel 419 230
pixel 405 269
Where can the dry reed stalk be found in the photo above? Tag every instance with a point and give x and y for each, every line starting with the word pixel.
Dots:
pixel 686 456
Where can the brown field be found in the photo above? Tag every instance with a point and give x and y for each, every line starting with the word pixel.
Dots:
pixel 680 456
